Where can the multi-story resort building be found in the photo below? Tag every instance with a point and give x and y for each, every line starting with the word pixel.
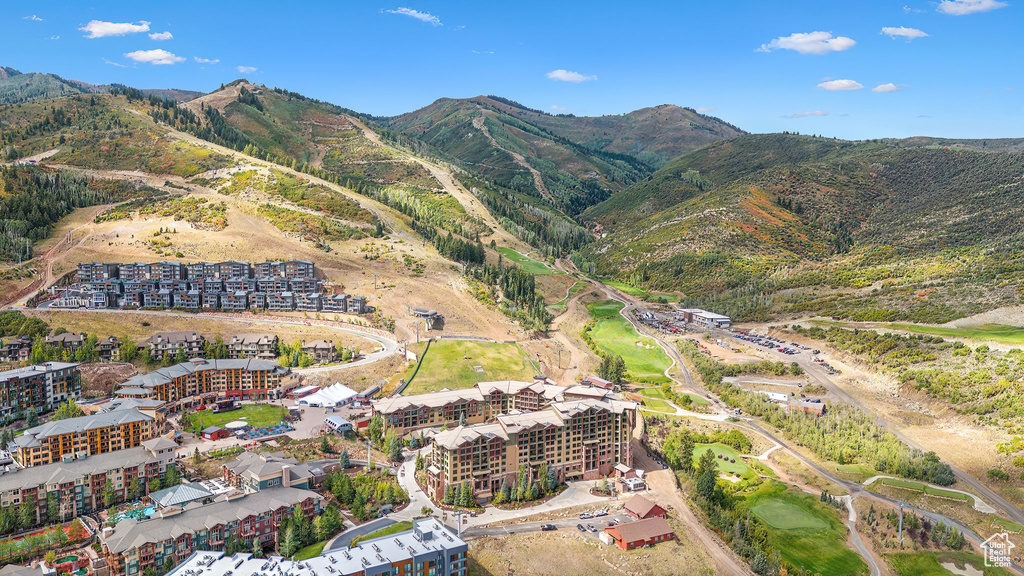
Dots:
pixel 253 346
pixel 482 403
pixel 581 439
pixel 41 387
pixel 200 381
pixel 79 483
pixel 231 285
pixel 132 546
pixel 427 549
pixel 83 436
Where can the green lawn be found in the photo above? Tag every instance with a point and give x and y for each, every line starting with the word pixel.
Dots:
pixel 528 264
pixel 386 531
pixel 453 364
pixel 917 486
pixel 807 533
pixel 1008 525
pixel 697 399
pixel 930 564
pixel 641 293
pixel 731 468
pixel 615 335
pixel 260 415
pixel 993 332
pixel 311 551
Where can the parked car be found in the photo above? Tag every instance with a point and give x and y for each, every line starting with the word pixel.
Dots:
pixel 600 513
pixel 591 528
pixel 581 528
pixel 547 528
pixel 586 515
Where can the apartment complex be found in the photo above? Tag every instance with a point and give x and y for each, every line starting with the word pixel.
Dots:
pixel 200 381
pixel 83 436
pixel 252 472
pixel 427 549
pixel 133 545
pixel 189 343
pixel 232 285
pixel 481 403
pixel 581 439
pixel 41 387
pixel 78 483
pixel 253 346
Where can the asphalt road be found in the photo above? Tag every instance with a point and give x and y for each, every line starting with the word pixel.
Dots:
pixel 345 538
pixel 567 524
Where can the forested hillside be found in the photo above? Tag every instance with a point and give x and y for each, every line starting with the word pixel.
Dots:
pixel 769 224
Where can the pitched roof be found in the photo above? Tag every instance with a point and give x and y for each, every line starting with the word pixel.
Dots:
pixel 62 472
pixel 165 375
pixel 132 533
pixel 639 505
pixel 32 436
pixel 256 466
pixel 641 529
pixel 180 495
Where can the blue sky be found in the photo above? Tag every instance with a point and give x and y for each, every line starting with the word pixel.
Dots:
pixel 953 67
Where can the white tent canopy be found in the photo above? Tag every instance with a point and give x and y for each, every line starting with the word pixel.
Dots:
pixel 336 395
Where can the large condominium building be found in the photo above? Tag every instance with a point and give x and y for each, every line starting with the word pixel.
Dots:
pixel 42 387
pixel 132 545
pixel 253 346
pixel 579 439
pixel 79 484
pixel 427 549
pixel 82 436
pixel 479 404
pixel 252 472
pixel 199 381
pixel 171 343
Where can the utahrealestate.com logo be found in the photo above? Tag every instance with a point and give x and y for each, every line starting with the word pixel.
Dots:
pixel 998 550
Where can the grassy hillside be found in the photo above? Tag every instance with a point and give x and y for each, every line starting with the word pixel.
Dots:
pixel 769 224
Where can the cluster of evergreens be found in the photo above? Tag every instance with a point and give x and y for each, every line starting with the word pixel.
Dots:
pixel 521 300
pixel 364 493
pixel 844 434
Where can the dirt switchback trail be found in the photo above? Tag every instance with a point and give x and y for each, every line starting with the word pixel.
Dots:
pixel 480 124
pixel 451 185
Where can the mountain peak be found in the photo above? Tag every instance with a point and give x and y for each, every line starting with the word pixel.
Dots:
pixel 7 72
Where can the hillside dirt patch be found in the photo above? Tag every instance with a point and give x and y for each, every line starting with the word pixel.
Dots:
pixel 98 379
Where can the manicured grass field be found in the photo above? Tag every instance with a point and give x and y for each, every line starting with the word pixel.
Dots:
pixel 615 335
pixel 655 400
pixel 386 531
pixel 993 332
pixel 806 533
pixel 528 264
pixel 453 364
pixel 1008 525
pixel 641 293
pixel 260 415
pixel 311 551
pixel 731 468
pixel 917 486
pixel 697 399
pixel 786 516
pixel 930 564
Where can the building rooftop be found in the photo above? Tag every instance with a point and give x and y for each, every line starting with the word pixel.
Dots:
pixel 255 466
pixel 641 529
pixel 165 375
pixel 132 533
pixel 639 505
pixel 61 472
pixel 180 495
pixel 27 371
pixel 428 539
pixel 32 436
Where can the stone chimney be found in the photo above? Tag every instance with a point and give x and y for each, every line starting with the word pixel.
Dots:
pixel 286 476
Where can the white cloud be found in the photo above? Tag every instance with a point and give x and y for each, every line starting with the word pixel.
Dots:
pixel 206 60
pixel 809 43
pixel 245 69
pixel 421 16
pixel 155 57
pixel 890 87
pixel 161 36
pixel 33 18
pixel 100 29
pixel 964 7
pixel 895 32
pixel 806 114
pixel 910 10
pixel 55 37
pixel 569 76
pixel 112 63
pixel 841 85
pixel 558 108
pixel 706 109
pixel 483 52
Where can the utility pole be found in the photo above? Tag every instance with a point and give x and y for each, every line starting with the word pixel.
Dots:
pixel 369 461
pixel 417 333
pixel 559 358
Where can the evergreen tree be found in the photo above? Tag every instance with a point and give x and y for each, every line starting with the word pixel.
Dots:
pixel 344 459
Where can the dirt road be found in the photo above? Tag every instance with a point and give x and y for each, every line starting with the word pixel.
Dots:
pixel 480 124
